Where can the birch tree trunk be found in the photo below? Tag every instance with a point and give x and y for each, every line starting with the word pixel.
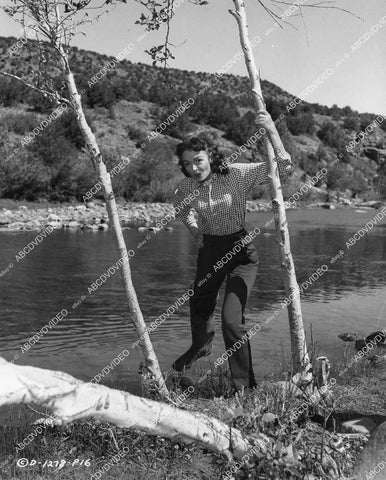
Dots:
pixel 151 361
pixel 71 399
pixel 300 358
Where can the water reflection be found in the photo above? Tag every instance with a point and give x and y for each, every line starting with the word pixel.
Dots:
pixel 349 296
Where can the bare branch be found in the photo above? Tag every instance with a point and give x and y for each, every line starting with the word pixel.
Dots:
pixel 321 4
pixel 53 96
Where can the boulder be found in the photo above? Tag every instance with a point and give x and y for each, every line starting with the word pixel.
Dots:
pixel 372 461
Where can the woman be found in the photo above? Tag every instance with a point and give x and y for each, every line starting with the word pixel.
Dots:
pixel 219 200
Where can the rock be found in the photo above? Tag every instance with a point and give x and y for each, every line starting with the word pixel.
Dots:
pixel 348 337
pixel 90 205
pixel 15 226
pixel 80 207
pixel 73 224
pixel 103 226
pixel 360 425
pixel 7 213
pixel 22 207
pixel 142 229
pixel 169 229
pixel 52 217
pixel 372 461
pixel 269 418
pixel 54 221
pixel 371 204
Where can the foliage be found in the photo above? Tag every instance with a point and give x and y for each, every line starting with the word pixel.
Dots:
pixel 151 176
pixel 302 123
pixel 223 102
pixel 351 123
pixel 334 136
pixel 20 123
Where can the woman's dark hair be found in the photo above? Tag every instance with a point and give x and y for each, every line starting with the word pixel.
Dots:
pixel 197 144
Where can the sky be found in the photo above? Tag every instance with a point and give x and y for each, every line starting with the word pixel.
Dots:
pixel 206 38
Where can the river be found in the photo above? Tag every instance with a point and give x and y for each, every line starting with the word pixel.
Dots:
pixel 349 296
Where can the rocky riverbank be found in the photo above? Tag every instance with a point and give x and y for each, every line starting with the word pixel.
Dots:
pixel 93 215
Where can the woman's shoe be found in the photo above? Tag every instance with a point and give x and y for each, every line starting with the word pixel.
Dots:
pixel 186 360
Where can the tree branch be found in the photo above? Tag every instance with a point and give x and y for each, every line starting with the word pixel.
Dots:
pixel 53 96
pixel 71 399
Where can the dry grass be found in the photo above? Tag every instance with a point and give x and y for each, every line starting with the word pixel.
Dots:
pixel 296 448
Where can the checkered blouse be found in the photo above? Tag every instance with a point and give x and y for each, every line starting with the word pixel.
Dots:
pixel 220 205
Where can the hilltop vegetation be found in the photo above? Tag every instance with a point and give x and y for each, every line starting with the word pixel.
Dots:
pixel 131 100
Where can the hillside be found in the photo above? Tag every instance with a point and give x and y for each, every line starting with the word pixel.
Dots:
pixel 131 100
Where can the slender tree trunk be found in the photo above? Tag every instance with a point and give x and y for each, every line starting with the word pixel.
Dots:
pixel 151 361
pixel 300 357
pixel 71 399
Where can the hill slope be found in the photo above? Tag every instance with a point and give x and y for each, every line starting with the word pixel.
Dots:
pixel 131 100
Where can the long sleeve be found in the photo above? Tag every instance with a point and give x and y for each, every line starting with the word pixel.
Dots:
pixel 182 209
pixel 257 173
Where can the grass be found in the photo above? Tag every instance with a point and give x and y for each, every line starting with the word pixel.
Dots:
pixel 297 447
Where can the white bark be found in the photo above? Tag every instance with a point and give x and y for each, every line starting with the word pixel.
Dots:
pixel 151 361
pixel 71 399
pixel 50 24
pixel 300 356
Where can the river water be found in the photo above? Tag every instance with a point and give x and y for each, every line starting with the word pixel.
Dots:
pixel 350 296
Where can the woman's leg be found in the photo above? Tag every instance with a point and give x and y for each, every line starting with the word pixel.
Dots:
pixel 238 288
pixel 202 305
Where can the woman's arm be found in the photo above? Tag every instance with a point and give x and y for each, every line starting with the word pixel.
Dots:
pixel 264 120
pixel 184 213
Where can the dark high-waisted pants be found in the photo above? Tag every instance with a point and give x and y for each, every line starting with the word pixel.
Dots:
pixel 238 264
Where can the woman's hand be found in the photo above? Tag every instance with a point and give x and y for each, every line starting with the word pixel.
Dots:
pixel 264 120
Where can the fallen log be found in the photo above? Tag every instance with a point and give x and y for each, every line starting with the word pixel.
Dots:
pixel 71 399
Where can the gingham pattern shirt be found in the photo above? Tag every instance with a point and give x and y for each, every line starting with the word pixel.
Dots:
pixel 220 205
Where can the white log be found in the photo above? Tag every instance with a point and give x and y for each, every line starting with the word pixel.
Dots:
pixel 300 356
pixel 71 399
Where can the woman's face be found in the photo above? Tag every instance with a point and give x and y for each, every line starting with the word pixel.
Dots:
pixel 197 164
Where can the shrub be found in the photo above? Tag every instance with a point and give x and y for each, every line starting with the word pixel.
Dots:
pixel 351 123
pixel 301 124
pixel 20 123
pixel 151 176
pixel 334 136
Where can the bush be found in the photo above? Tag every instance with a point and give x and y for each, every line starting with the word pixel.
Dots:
pixel 181 125
pixel 334 136
pixel 301 124
pixel 351 123
pixel 151 176
pixel 11 92
pixel 20 181
pixel 20 123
